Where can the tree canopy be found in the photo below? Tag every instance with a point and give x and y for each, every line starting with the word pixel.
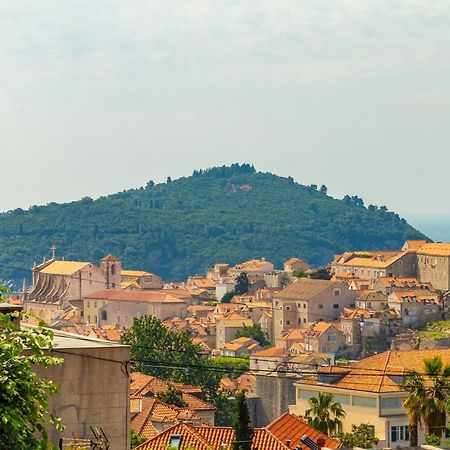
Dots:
pixel 23 394
pixel 241 423
pixel 325 414
pixel 255 332
pixel 176 229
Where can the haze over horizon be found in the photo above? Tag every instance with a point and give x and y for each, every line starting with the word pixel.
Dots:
pixel 100 97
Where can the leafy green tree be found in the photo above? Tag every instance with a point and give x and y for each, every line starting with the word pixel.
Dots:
pixel 164 353
pixel 242 284
pixel 324 414
pixel 241 423
pixel 255 332
pixel 23 394
pixel 362 435
pixel 427 399
pixel 432 439
pixel 136 439
pixel 323 189
pixel 172 396
pixel 299 274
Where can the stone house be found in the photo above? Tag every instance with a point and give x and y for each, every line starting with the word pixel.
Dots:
pixel 118 307
pixel 144 280
pixel 373 265
pixel 240 347
pixel 266 322
pixel 373 300
pixel 268 359
pixel 415 308
pixel 227 327
pixel 387 285
pixel 294 264
pixel 308 301
pixel 433 265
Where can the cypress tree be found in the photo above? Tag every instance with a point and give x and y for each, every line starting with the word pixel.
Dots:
pixel 241 424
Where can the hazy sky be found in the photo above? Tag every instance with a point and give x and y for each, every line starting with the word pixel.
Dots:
pixel 99 96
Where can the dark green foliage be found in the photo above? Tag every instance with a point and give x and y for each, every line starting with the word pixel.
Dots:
pixel 23 394
pixel 241 424
pixel 242 284
pixel 136 439
pixel 299 274
pixel 227 297
pixel 224 214
pixel 172 396
pixel 432 439
pixel 255 333
pixel 362 436
pixel 173 357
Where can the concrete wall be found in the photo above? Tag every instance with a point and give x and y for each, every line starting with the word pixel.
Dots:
pixel 93 391
pixel 272 397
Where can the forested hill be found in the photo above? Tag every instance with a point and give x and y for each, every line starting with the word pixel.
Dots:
pixel 177 228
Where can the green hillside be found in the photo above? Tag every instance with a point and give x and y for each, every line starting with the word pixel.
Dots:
pixel 225 214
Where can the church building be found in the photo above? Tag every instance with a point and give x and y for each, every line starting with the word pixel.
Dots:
pixel 60 285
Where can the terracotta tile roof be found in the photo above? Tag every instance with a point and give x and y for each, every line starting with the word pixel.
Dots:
pixel 64 267
pixel 210 438
pixel 379 373
pixel 134 273
pixel 147 296
pixel 291 427
pixel 372 296
pixel 273 352
pixel 415 244
pixel 306 289
pixel 435 249
pixel 372 259
pixel 201 282
pixel 415 296
pixel 128 284
pixel 147 385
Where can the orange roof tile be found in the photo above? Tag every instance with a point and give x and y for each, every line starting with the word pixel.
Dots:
pixel 211 438
pixel 147 296
pixel 293 428
pixel 273 352
pixel 435 249
pixel 306 289
pixel 379 373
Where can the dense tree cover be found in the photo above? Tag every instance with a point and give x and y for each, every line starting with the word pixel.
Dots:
pixel 224 214
pixel 23 394
pixel 362 436
pixel 172 356
pixel 255 332
pixel 241 423
pixel 428 398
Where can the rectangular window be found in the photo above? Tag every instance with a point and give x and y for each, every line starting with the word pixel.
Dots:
pixel 335 306
pixel 281 322
pixel 399 433
pixel 341 398
pixel 364 402
pixel 306 395
pixel 304 305
pixel 288 322
pixel 288 308
pixel 320 306
pixel 391 403
pixel 304 320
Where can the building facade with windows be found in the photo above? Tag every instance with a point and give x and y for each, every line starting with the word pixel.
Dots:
pixel 308 301
pixel 369 392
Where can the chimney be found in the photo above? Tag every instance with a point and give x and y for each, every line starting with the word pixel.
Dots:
pixel 320 443
pixel 288 443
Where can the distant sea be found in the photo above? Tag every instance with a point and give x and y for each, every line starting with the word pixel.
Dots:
pixel 435 227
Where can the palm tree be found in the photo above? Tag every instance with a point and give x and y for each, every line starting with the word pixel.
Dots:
pixel 324 414
pixel 427 397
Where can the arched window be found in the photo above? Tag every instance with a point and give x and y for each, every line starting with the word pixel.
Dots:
pixel 104 315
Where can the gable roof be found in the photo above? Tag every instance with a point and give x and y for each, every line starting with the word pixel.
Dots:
pixel 306 289
pixel 272 352
pixel 211 438
pixel 64 267
pixel 291 427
